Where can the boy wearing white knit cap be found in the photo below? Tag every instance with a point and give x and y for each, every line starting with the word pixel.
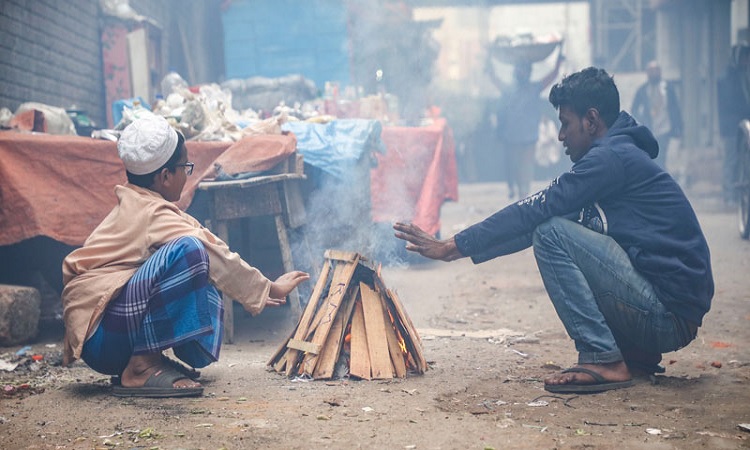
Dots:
pixel 146 278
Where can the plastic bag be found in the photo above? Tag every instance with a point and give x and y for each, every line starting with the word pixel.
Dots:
pixel 172 83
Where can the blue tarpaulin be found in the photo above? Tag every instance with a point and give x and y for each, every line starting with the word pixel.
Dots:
pixel 338 145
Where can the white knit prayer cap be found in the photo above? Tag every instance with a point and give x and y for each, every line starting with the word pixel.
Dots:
pixel 147 144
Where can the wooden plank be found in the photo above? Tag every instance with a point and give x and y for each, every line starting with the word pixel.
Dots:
pixel 359 364
pixel 341 255
pixel 397 355
pixel 295 214
pixel 322 312
pixel 339 275
pixel 305 320
pixel 304 323
pixel 262 200
pixel 404 319
pixel 332 348
pixel 377 342
pixel 393 296
pixel 342 276
pixel 210 185
pixel 413 341
pixel 303 346
pixel 280 365
pixel 319 315
pixel 409 332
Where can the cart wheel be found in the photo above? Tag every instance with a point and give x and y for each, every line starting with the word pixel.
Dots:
pixel 743 181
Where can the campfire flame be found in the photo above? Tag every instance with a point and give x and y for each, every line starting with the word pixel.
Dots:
pixel 401 340
pixel 348 337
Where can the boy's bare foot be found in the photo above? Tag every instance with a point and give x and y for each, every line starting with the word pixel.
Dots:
pixel 141 367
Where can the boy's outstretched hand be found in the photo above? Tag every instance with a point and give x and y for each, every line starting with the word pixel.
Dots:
pixel 418 240
pixel 284 285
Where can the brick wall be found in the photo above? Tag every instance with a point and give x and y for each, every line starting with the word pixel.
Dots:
pixel 50 53
pixel 50 50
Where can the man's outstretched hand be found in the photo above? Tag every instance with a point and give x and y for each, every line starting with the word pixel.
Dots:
pixel 419 241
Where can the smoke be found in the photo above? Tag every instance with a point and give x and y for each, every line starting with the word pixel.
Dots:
pixel 339 217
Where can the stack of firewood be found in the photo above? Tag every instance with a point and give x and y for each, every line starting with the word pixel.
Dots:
pixel 352 326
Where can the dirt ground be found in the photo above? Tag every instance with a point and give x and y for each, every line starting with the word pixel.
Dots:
pixel 482 392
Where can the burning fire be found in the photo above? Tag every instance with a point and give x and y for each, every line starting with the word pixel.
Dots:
pixel 401 341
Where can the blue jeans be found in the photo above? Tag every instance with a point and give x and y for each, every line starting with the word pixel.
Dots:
pixel 606 306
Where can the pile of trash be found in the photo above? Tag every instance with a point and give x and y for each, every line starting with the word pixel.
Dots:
pixel 207 112
pixel 26 372
pixel 25 361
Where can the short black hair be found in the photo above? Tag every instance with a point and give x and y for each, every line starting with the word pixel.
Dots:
pixel 590 88
pixel 147 180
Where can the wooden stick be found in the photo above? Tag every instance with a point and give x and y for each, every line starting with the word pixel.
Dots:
pixel 332 348
pixel 292 354
pixel 359 363
pixel 397 355
pixel 339 286
pixel 303 346
pixel 413 341
pixel 342 255
pixel 377 342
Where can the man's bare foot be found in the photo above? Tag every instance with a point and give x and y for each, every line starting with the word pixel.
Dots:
pixel 141 367
pixel 609 372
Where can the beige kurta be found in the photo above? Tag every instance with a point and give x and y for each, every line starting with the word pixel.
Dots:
pixel 142 222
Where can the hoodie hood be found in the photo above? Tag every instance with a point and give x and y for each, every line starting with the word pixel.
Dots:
pixel 627 126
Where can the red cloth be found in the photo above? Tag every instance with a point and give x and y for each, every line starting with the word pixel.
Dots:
pixel 63 186
pixel 254 155
pixel 415 176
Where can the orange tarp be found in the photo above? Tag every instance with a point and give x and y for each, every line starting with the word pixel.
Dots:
pixel 63 186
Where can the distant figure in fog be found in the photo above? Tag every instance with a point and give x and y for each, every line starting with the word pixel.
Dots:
pixel 734 106
pixel 518 114
pixel 656 106
pixel 618 245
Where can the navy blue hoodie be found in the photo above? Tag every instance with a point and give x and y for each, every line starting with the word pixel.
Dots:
pixel 616 189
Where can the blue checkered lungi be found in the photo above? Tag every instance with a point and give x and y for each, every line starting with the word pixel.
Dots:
pixel 169 303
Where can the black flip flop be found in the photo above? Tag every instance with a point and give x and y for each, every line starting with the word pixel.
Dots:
pixel 600 384
pixel 159 385
pixel 649 369
pixel 183 369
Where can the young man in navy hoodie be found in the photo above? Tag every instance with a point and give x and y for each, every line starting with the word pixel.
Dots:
pixel 620 250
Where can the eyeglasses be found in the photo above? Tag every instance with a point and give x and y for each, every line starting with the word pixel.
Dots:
pixel 188 167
